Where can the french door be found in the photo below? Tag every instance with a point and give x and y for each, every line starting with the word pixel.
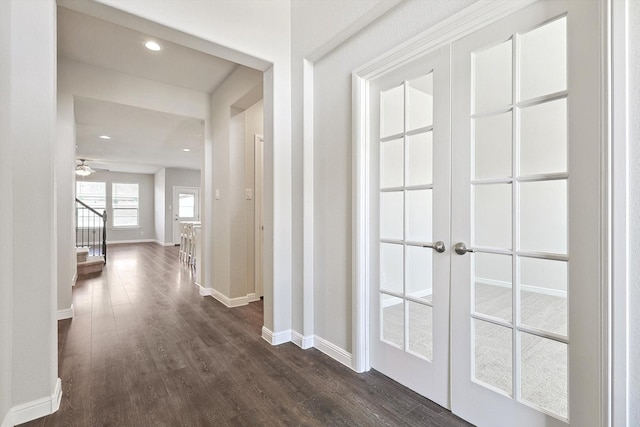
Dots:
pixel 485 238
pixel 411 192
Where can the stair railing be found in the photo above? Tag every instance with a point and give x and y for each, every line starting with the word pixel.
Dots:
pixel 91 229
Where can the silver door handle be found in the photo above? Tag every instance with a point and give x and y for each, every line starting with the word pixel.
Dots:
pixel 437 246
pixel 462 249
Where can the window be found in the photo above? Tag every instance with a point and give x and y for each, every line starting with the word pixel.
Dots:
pixel 92 194
pixel 125 205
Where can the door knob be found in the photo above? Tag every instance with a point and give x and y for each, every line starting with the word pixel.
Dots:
pixel 437 246
pixel 462 249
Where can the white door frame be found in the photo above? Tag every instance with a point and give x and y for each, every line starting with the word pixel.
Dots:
pixel 258 208
pixel 461 24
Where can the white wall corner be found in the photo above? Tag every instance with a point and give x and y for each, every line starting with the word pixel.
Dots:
pixel 276 338
pixel 66 313
pixel 36 408
pixel 304 342
pixel 333 351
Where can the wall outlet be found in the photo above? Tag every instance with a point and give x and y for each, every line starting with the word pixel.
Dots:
pixel 217 194
pixel 248 193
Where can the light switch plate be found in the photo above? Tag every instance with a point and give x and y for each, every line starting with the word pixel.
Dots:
pixel 217 194
pixel 249 194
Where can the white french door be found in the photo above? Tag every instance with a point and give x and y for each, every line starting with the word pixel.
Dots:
pixel 485 234
pixel 411 192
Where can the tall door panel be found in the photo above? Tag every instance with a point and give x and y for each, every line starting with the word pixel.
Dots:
pixel 513 189
pixel 410 191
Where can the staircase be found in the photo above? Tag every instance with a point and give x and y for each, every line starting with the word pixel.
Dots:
pixel 91 239
pixel 88 265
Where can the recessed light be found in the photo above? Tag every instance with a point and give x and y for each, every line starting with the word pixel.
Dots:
pixel 185 149
pixel 151 45
pixel 105 137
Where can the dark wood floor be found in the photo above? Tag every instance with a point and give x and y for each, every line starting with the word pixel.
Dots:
pixel 145 349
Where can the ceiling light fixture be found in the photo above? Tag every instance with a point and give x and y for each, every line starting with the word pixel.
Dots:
pixel 83 170
pixel 105 137
pixel 185 149
pixel 152 45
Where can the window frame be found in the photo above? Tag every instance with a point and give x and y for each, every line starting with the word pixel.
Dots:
pixel 115 197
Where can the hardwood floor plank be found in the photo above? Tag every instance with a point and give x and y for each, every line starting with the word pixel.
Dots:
pixel 145 349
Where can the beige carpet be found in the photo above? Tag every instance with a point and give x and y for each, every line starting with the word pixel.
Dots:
pixel 543 362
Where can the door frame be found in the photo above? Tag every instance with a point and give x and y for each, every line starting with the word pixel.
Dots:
pixel 176 191
pixel 258 217
pixel 467 21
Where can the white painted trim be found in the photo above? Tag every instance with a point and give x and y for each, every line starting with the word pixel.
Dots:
pixel 377 11
pixel 66 313
pixel 228 302
pixel 619 191
pixel 163 243
pixel 463 23
pixel 205 292
pixel 117 242
pixel 528 288
pixel 276 338
pixel 333 351
pixel 470 19
pixel 252 297
pixel 75 279
pixel 308 197
pixel 37 408
pixel 7 420
pixel 302 341
pixel 360 236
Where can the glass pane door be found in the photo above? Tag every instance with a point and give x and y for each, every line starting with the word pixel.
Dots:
pixel 511 298
pixel 411 192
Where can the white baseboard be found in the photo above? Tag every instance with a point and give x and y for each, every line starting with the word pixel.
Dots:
pixel 66 313
pixel 36 408
pixel 117 242
pixel 302 341
pixel 333 351
pixel 75 279
pixel 276 338
pixel 163 243
pixel 7 420
pixel 253 297
pixel 526 288
pixel 228 302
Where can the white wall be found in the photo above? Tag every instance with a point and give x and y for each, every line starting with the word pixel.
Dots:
pixel 634 212
pixel 65 191
pixel 28 103
pixel 6 211
pixel 176 177
pixel 244 126
pixel 332 142
pixel 159 205
pixel 228 178
pixel 146 228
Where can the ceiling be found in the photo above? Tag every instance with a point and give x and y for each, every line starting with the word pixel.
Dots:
pixel 142 141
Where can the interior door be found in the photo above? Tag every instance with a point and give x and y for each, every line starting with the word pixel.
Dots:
pixel 186 207
pixel 518 200
pixel 505 325
pixel 410 190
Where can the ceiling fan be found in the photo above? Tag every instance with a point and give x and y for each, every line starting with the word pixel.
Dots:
pixel 82 169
